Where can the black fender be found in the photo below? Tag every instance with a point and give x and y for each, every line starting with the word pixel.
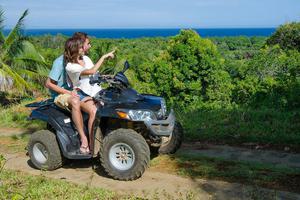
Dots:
pixel 60 121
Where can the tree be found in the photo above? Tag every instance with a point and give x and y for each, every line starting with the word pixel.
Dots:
pixel 287 36
pixel 271 79
pixel 190 71
pixel 20 63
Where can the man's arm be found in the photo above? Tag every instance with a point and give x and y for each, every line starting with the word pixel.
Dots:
pixel 54 74
pixel 52 85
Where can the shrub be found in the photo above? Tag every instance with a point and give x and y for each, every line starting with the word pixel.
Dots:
pixel 190 70
pixel 287 36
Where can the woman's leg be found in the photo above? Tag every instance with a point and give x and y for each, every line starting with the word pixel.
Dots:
pixel 88 106
pixel 74 104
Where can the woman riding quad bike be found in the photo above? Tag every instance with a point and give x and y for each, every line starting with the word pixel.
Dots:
pixel 125 127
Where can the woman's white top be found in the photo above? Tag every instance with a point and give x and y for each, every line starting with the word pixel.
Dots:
pixel 82 82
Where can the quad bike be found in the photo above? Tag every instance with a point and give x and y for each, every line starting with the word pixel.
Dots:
pixel 126 126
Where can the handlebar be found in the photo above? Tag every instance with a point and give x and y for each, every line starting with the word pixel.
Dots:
pixel 97 78
pixel 119 78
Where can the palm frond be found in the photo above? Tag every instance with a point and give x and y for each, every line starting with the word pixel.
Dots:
pixel 2 38
pixel 18 81
pixel 31 76
pixel 1 19
pixel 15 33
pixel 27 73
pixel 30 59
pixel 29 51
pixel 43 71
pixel 36 79
pixel 23 54
pixel 35 74
pixel 15 48
pixel 27 62
pixel 30 64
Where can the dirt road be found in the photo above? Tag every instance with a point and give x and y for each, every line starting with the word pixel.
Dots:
pixel 157 185
pixel 152 184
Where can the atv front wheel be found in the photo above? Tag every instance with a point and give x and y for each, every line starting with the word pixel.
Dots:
pixel 172 143
pixel 44 151
pixel 124 154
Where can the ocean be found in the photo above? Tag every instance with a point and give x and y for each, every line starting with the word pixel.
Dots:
pixel 137 33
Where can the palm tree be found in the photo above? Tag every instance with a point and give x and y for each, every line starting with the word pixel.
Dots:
pixel 20 64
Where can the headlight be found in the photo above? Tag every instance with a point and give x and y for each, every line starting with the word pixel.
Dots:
pixel 141 115
pixel 163 109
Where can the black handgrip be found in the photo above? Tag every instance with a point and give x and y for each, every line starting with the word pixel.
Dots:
pixel 96 78
pixel 93 81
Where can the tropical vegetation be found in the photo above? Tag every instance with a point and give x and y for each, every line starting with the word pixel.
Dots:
pixel 232 89
pixel 20 64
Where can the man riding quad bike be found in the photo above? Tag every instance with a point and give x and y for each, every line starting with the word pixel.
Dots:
pixel 125 126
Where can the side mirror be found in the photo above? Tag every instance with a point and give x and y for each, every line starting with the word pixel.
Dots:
pixel 126 66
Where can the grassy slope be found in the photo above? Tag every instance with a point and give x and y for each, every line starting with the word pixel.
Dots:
pixel 236 126
pixel 16 115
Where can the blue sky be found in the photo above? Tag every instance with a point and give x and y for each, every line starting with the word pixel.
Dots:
pixel 151 13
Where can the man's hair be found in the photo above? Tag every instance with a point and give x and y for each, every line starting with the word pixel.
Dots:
pixel 80 35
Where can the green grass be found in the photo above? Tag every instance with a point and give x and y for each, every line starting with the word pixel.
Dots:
pixel 236 126
pixel 16 115
pixel 19 186
pixel 256 174
pixel 14 144
pixel 16 185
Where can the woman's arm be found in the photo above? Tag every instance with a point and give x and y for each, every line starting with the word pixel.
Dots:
pixel 94 69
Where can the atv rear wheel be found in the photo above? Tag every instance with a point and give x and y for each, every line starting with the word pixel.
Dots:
pixel 172 143
pixel 44 151
pixel 124 154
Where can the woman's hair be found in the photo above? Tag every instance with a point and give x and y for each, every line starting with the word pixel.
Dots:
pixel 71 52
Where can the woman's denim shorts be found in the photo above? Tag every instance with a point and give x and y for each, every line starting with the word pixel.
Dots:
pixel 82 95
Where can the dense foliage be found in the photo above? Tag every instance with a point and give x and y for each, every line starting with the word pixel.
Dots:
pixel 235 88
pixel 189 71
pixel 287 36
pixel 271 79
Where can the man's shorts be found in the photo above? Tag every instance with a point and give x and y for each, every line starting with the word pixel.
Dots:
pixel 62 101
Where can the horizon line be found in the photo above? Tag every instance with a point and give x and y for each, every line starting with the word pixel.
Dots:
pixel 157 28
